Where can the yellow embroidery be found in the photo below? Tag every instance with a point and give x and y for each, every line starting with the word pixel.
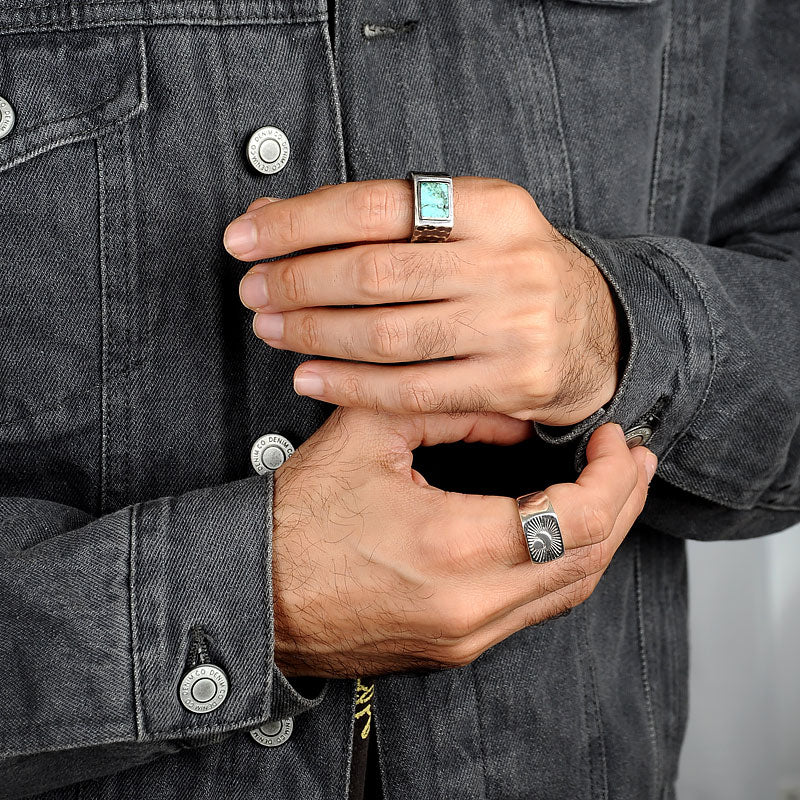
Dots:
pixel 363 696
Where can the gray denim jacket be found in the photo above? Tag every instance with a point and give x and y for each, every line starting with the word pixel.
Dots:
pixel 662 135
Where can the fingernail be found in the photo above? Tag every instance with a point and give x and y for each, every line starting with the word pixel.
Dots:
pixel 268 326
pixel 620 432
pixel 253 290
pixel 309 383
pixel 650 464
pixel 240 237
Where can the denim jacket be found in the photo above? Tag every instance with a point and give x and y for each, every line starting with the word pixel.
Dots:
pixel 662 136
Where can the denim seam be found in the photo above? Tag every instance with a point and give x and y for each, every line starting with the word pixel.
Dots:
pixel 479 731
pixel 336 105
pixel 587 657
pixel 644 668
pixel 662 113
pixel 348 756
pixel 143 21
pixel 104 373
pixel 536 99
pixel 93 132
pixel 562 139
pixel 268 518
pixel 134 631
pixel 713 350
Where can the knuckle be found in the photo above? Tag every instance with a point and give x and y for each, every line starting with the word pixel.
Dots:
pixel 285 226
pixel 452 619
pixel 416 395
pixel 598 521
pixel 515 198
pixel 308 332
pixel 351 391
pixel 387 336
pixel 595 558
pixel 291 283
pixel 461 654
pixel 374 273
pixel 374 206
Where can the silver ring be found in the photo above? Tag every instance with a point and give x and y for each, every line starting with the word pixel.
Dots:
pixel 541 528
pixel 433 206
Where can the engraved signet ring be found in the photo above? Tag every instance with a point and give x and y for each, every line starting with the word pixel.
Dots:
pixel 541 528
pixel 433 206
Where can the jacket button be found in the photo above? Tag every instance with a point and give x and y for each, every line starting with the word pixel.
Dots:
pixel 639 435
pixel 269 452
pixel 273 734
pixel 7 118
pixel 268 150
pixel 203 689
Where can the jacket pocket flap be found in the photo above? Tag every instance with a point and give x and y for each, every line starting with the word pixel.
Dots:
pixel 68 86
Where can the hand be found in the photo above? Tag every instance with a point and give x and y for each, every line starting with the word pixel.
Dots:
pixel 507 316
pixel 375 571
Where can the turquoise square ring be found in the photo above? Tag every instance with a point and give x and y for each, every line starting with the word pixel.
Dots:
pixel 433 206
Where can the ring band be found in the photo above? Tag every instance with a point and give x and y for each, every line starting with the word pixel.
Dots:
pixel 433 206
pixel 540 526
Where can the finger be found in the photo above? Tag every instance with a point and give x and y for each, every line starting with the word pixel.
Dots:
pixel 532 593
pixel 362 211
pixel 437 387
pixel 384 334
pixel 373 274
pixel 588 522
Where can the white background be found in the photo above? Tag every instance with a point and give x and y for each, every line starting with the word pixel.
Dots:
pixel 743 741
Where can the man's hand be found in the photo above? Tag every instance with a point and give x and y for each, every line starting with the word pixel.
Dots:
pixel 507 316
pixel 375 571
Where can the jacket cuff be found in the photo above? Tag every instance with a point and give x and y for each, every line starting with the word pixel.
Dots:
pixel 666 377
pixel 202 562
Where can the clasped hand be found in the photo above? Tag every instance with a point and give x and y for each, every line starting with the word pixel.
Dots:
pixel 376 571
pixel 506 316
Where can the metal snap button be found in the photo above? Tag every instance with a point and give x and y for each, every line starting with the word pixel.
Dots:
pixel 269 452
pixel 639 435
pixel 268 150
pixel 7 118
pixel 203 689
pixel 273 734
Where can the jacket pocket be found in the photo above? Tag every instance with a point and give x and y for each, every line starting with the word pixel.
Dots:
pixel 68 87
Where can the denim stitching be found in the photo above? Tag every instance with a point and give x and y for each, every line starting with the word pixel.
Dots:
pixel 562 139
pixel 662 113
pixel 104 373
pixel 588 661
pixel 151 21
pixel 134 617
pixel 702 295
pixel 336 105
pixel 479 729
pixel 645 672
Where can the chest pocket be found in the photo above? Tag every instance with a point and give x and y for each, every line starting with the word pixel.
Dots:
pixel 66 89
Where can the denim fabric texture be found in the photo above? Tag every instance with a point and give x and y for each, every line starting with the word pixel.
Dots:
pixel 661 136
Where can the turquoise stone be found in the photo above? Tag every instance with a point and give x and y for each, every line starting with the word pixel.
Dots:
pixel 434 200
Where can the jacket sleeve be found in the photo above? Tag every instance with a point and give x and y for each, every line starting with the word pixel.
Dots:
pixel 95 624
pixel 714 359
